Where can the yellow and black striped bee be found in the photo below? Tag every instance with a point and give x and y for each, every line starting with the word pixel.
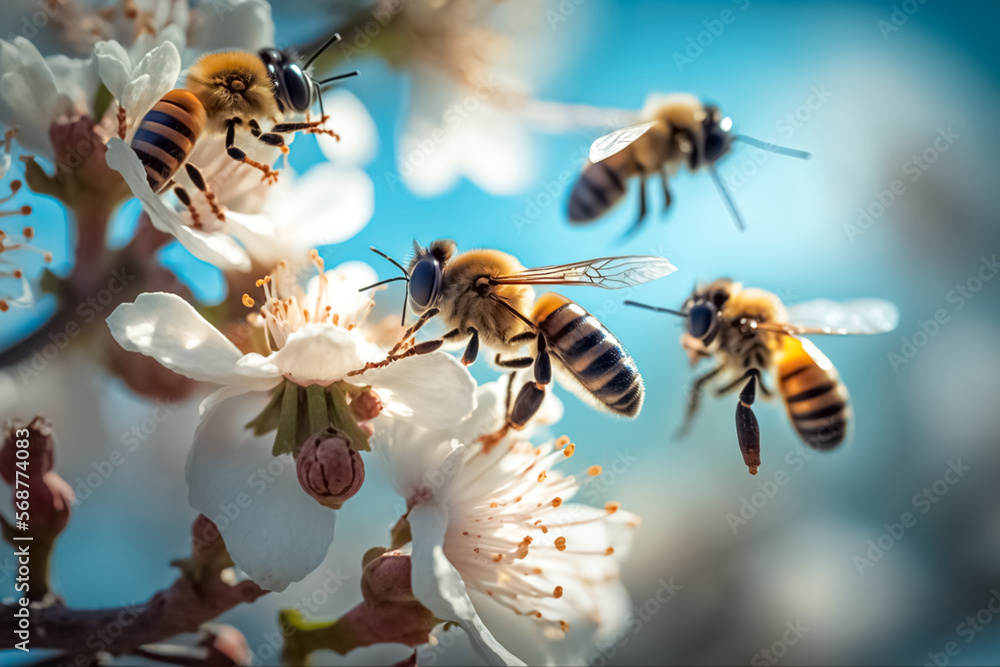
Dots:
pixel 678 130
pixel 225 91
pixel 749 332
pixel 487 296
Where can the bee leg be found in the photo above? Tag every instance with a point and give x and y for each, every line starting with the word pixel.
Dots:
pixel 747 430
pixel 270 175
pixel 528 400
pixel 510 391
pixel 642 207
pixel 667 199
pixel 270 138
pixel 314 127
pixel 472 349
pixel 182 195
pixel 751 372
pixel 199 182
pixel 414 329
pixel 694 399
pixel 519 362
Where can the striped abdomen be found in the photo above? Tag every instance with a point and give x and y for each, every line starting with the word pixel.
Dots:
pixel 590 353
pixel 814 395
pixel 600 186
pixel 167 135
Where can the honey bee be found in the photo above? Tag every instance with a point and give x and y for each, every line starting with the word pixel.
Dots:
pixel 487 297
pixel 679 130
pixel 750 332
pixel 225 91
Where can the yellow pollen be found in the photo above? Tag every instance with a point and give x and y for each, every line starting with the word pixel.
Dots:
pixel 248 301
pixel 562 441
pixel 612 507
pixel 561 543
pixel 3 306
pixel 568 452
pixel 18 274
pixel 557 593
pixel 29 232
pixel 609 551
pixel 497 558
pixel 542 476
pixel 465 532
pixel 557 501
pixel 493 505
pixel 538 614
pixel 537 570
pixel 594 471
pixel 544 530
pixel 564 626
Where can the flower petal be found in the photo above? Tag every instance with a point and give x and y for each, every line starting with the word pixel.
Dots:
pixel 152 77
pixel 273 530
pixel 433 390
pixel 218 249
pixel 114 67
pixel 331 204
pixel 439 587
pixel 343 283
pixel 318 354
pixel 27 94
pixel 358 135
pixel 169 329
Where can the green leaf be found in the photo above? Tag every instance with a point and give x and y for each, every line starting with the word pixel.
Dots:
pixel 344 420
pixel 268 418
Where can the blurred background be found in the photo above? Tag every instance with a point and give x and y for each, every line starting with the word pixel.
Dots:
pixel 871 89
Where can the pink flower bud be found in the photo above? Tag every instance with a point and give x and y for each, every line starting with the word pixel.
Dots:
pixel 50 499
pixel 226 646
pixel 329 469
pixel 366 405
pixel 387 579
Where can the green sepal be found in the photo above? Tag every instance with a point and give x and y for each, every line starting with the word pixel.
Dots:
pixel 316 408
pixel 102 101
pixel 303 636
pixel 344 420
pixel 286 439
pixel 267 420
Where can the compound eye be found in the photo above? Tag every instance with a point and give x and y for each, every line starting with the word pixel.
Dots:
pixel 425 283
pixel 297 87
pixel 701 319
pixel 716 144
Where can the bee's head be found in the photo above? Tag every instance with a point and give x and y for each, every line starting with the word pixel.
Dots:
pixel 717 138
pixel 702 311
pixel 427 273
pixel 293 87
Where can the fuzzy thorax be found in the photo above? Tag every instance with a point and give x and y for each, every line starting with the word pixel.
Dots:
pixel 233 84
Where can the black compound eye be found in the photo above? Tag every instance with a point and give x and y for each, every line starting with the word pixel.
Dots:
pixel 425 283
pixel 716 144
pixel 701 319
pixel 297 87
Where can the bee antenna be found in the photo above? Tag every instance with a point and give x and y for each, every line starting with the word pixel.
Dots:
pixel 327 44
pixel 773 148
pixel 405 276
pixel 657 309
pixel 727 198
pixel 339 77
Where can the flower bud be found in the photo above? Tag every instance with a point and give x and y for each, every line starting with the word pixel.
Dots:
pixel 206 540
pixel 40 447
pixel 50 499
pixel 81 166
pixel 329 469
pixel 366 405
pixel 387 579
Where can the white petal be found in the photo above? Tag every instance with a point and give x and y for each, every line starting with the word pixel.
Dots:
pixel 273 530
pixel 415 458
pixel 244 25
pixel 169 329
pixel 152 77
pixel 433 390
pixel 439 587
pixel 214 248
pixel 113 66
pixel 27 94
pixel 318 353
pixel 350 119
pixel 342 285
pixel 330 204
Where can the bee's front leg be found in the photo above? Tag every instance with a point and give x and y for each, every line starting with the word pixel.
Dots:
pixel 747 430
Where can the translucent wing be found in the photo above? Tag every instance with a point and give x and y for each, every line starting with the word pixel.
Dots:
pixel 822 316
pixel 610 144
pixel 606 272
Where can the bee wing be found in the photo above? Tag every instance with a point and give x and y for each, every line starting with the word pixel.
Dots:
pixel 606 272
pixel 618 140
pixel 822 316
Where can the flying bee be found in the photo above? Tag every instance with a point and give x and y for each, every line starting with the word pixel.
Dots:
pixel 750 332
pixel 225 91
pixel 678 130
pixel 487 297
